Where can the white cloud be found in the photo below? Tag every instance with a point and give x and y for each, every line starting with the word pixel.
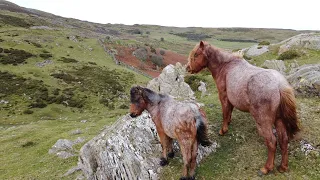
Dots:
pixel 288 14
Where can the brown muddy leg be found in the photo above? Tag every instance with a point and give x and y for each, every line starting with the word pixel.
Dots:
pixel 283 141
pixel 164 140
pixel 186 154
pixel 170 149
pixel 193 163
pixel 265 130
pixel 227 108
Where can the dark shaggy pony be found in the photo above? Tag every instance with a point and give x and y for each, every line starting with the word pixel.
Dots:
pixel 185 122
pixel 265 93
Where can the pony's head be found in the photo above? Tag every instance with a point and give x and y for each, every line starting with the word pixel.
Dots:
pixel 138 102
pixel 198 59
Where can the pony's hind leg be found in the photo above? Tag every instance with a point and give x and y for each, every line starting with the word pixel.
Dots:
pixel 283 141
pixel 264 122
pixel 193 163
pixel 265 130
pixel 186 154
pixel 186 145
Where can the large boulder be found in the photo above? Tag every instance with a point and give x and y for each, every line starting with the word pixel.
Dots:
pixel 171 81
pixel 306 79
pixel 275 64
pixel 63 148
pixel 310 41
pixel 256 50
pixel 129 149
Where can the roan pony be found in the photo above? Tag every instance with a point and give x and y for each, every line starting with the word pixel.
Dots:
pixel 185 122
pixel 264 93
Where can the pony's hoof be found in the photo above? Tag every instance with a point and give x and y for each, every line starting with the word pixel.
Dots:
pixel 221 132
pixel 171 154
pixel 163 161
pixel 282 169
pixel 263 171
pixel 188 178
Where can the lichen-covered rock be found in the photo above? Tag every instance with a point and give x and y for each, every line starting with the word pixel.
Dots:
pixel 310 41
pixel 129 149
pixel 171 81
pixel 202 88
pixel 256 50
pixel 275 64
pixel 63 148
pixel 306 79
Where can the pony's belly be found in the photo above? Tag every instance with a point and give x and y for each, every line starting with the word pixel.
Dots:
pixel 243 108
pixel 239 101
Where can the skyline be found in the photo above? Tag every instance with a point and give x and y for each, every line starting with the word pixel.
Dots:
pixel 285 14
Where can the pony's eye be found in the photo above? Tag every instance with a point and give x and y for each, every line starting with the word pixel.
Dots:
pixel 195 55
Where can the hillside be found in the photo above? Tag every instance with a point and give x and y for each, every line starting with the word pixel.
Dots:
pixel 62 78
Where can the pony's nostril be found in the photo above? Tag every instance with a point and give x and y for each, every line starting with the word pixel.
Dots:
pixel 133 115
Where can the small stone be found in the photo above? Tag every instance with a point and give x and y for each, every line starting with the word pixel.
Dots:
pixel 64 154
pixel 77 131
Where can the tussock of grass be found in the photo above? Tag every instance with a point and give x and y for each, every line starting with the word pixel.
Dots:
pixel 14 56
pixel 68 60
pixel 290 54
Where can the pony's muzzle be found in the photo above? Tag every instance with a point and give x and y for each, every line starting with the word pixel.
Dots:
pixel 188 69
pixel 133 115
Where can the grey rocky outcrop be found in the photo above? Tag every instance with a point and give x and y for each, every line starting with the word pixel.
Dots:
pixel 171 81
pixel 276 65
pixel 44 63
pixel 63 147
pixel 130 148
pixel 256 50
pixel 310 41
pixel 41 27
pixel 306 79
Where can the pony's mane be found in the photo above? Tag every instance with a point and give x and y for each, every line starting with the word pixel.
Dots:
pixel 147 94
pixel 219 54
pixel 153 97
pixel 213 52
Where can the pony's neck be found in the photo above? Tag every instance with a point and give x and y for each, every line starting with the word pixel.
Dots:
pixel 218 59
pixel 153 101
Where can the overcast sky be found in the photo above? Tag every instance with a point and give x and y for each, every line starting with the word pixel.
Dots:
pixel 287 14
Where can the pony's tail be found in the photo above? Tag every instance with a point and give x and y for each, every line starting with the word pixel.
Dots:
pixel 287 111
pixel 202 131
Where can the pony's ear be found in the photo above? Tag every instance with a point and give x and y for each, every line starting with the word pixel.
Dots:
pixel 145 95
pixel 201 45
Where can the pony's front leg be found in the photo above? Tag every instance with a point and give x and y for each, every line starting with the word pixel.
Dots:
pixel 227 108
pixel 164 140
pixel 170 148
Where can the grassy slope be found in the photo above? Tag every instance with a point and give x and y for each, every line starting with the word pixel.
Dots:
pixel 45 126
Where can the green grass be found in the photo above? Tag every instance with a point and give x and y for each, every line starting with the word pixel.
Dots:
pixel 34 162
